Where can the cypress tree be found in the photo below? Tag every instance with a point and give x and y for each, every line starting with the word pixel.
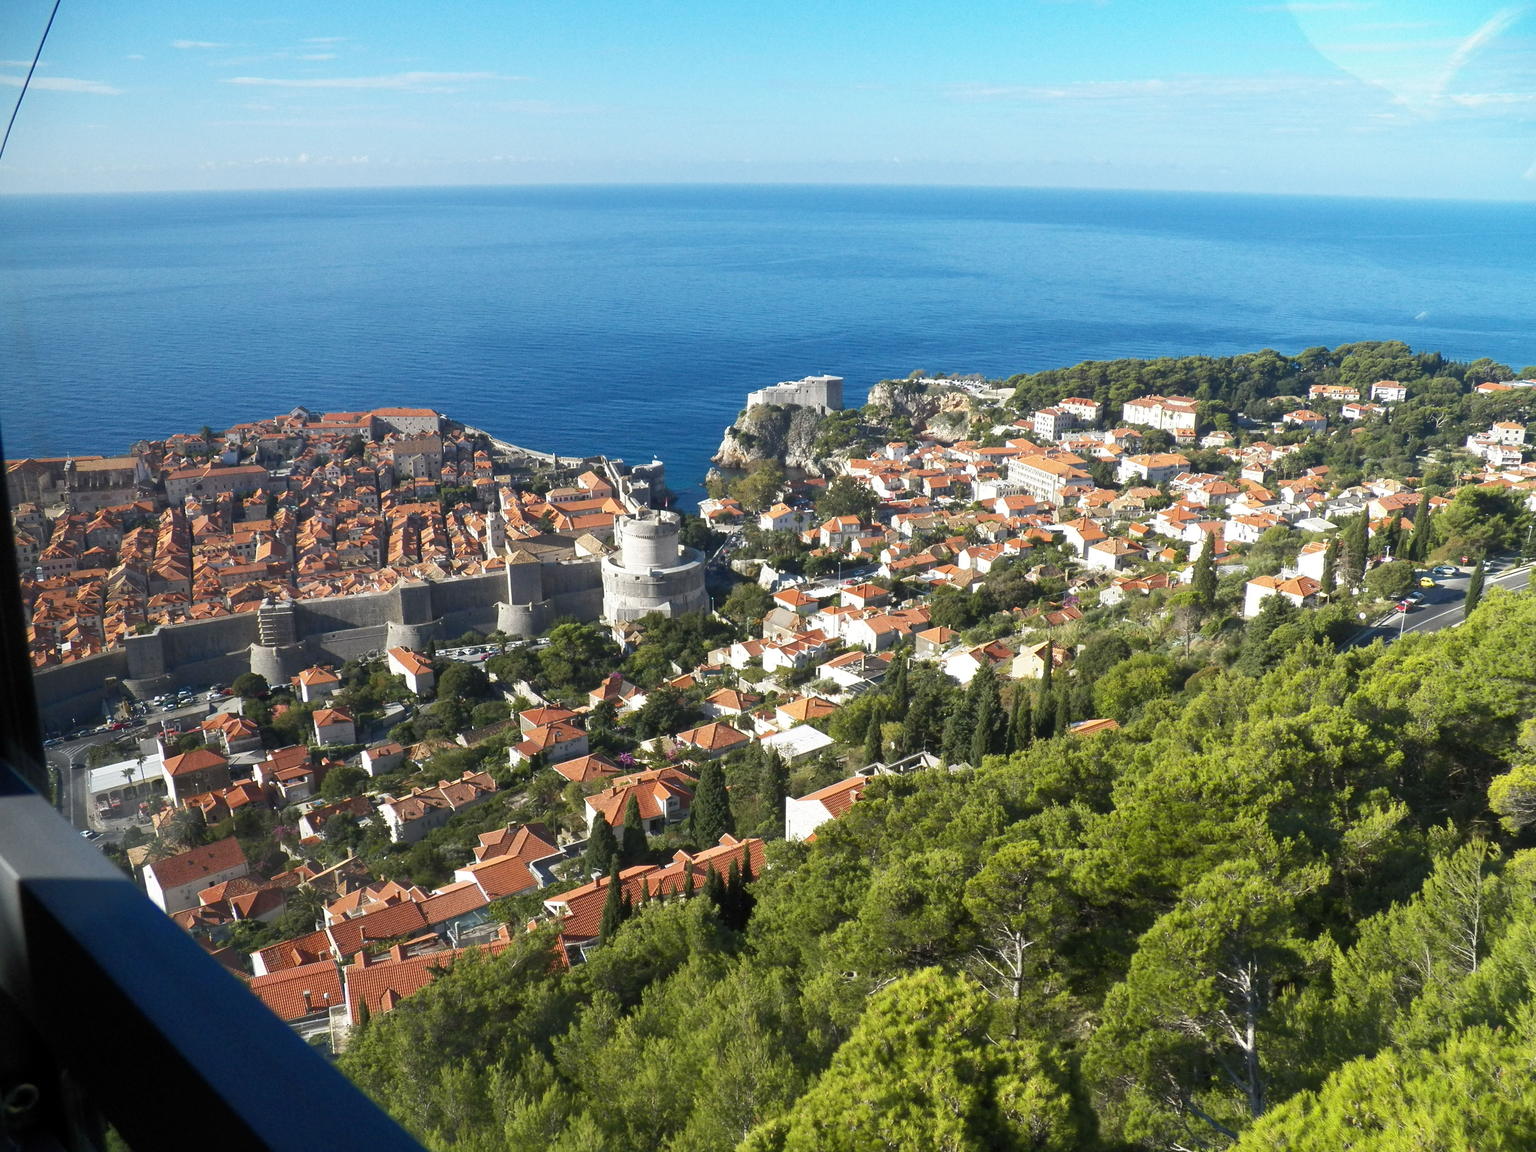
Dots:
pixel 1474 589
pixel 613 907
pixel 1204 580
pixel 714 890
pixel 1357 542
pixel 872 745
pixel 987 721
pixel 634 845
pixel 688 884
pixel 1043 696
pixel 1021 732
pixel 1330 578
pixel 774 790
pixel 897 689
pixel 1063 718
pixel 602 846
pixel 1418 543
pixel 711 816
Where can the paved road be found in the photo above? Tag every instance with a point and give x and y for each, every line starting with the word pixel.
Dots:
pixel 1442 607
pixel 67 758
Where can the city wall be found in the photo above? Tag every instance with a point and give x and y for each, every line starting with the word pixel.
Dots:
pixel 330 630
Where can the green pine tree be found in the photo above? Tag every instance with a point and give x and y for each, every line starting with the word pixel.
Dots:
pixel 1330 579
pixel 987 717
pixel 711 816
pixel 634 845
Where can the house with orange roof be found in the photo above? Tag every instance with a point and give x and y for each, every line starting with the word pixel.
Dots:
pixel 712 740
pixel 804 814
pixel 200 770
pixel 584 769
pixel 516 860
pixel 416 668
pixel 1029 664
pixel 334 726
pixel 174 882
pixel 316 683
pixel 555 742
pixel 664 796
pixel 423 809
pixel 302 997
pixel 383 758
pixel 1299 590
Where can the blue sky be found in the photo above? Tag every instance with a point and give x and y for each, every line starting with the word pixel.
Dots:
pixel 1358 97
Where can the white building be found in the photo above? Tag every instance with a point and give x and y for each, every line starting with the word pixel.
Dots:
pixel 823 393
pixel 1170 413
pixel 1298 590
pixel 173 883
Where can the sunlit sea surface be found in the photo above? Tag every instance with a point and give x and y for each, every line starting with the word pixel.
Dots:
pixel 633 320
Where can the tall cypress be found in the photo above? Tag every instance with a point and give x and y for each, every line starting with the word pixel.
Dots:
pixel 711 816
pixel 1043 699
pixel 613 907
pixel 1357 542
pixel 1021 732
pixel 1474 589
pixel 635 845
pixel 773 788
pixel 987 721
pixel 602 846
pixel 1063 718
pixel 1204 578
pixel 1418 543
pixel 873 751
pixel 1330 579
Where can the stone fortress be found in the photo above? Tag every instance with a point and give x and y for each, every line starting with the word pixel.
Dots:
pixel 822 393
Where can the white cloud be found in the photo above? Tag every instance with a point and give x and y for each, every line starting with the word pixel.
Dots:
pixel 1181 87
pixel 185 45
pixel 318 56
pixel 1494 27
pixel 134 56
pixel 63 84
pixel 398 82
pixel 325 39
pixel 1337 6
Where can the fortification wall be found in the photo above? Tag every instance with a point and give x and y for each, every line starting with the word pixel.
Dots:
pixel 71 694
pixel 333 629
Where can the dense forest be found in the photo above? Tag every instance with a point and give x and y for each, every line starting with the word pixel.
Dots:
pixel 1290 909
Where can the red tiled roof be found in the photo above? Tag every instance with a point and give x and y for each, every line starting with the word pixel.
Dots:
pixel 196 760
pixel 174 871
pixel 294 993
pixel 838 798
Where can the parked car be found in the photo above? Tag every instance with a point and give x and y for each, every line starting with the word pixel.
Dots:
pixel 1426 581
pixel 1446 570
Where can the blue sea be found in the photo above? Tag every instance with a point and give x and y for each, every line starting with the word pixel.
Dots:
pixel 633 320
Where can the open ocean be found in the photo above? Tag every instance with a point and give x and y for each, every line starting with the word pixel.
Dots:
pixel 633 320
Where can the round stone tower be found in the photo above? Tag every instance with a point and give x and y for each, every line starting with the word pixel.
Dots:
pixel 651 571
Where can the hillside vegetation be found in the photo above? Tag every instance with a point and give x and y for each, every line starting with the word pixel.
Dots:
pixel 1271 912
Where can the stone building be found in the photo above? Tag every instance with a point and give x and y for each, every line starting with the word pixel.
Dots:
pixel 651 571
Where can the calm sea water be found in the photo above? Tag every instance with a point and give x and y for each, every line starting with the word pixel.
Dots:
pixel 632 320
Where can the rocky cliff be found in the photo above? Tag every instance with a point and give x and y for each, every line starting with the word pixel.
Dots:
pixel 768 432
pixel 943 413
